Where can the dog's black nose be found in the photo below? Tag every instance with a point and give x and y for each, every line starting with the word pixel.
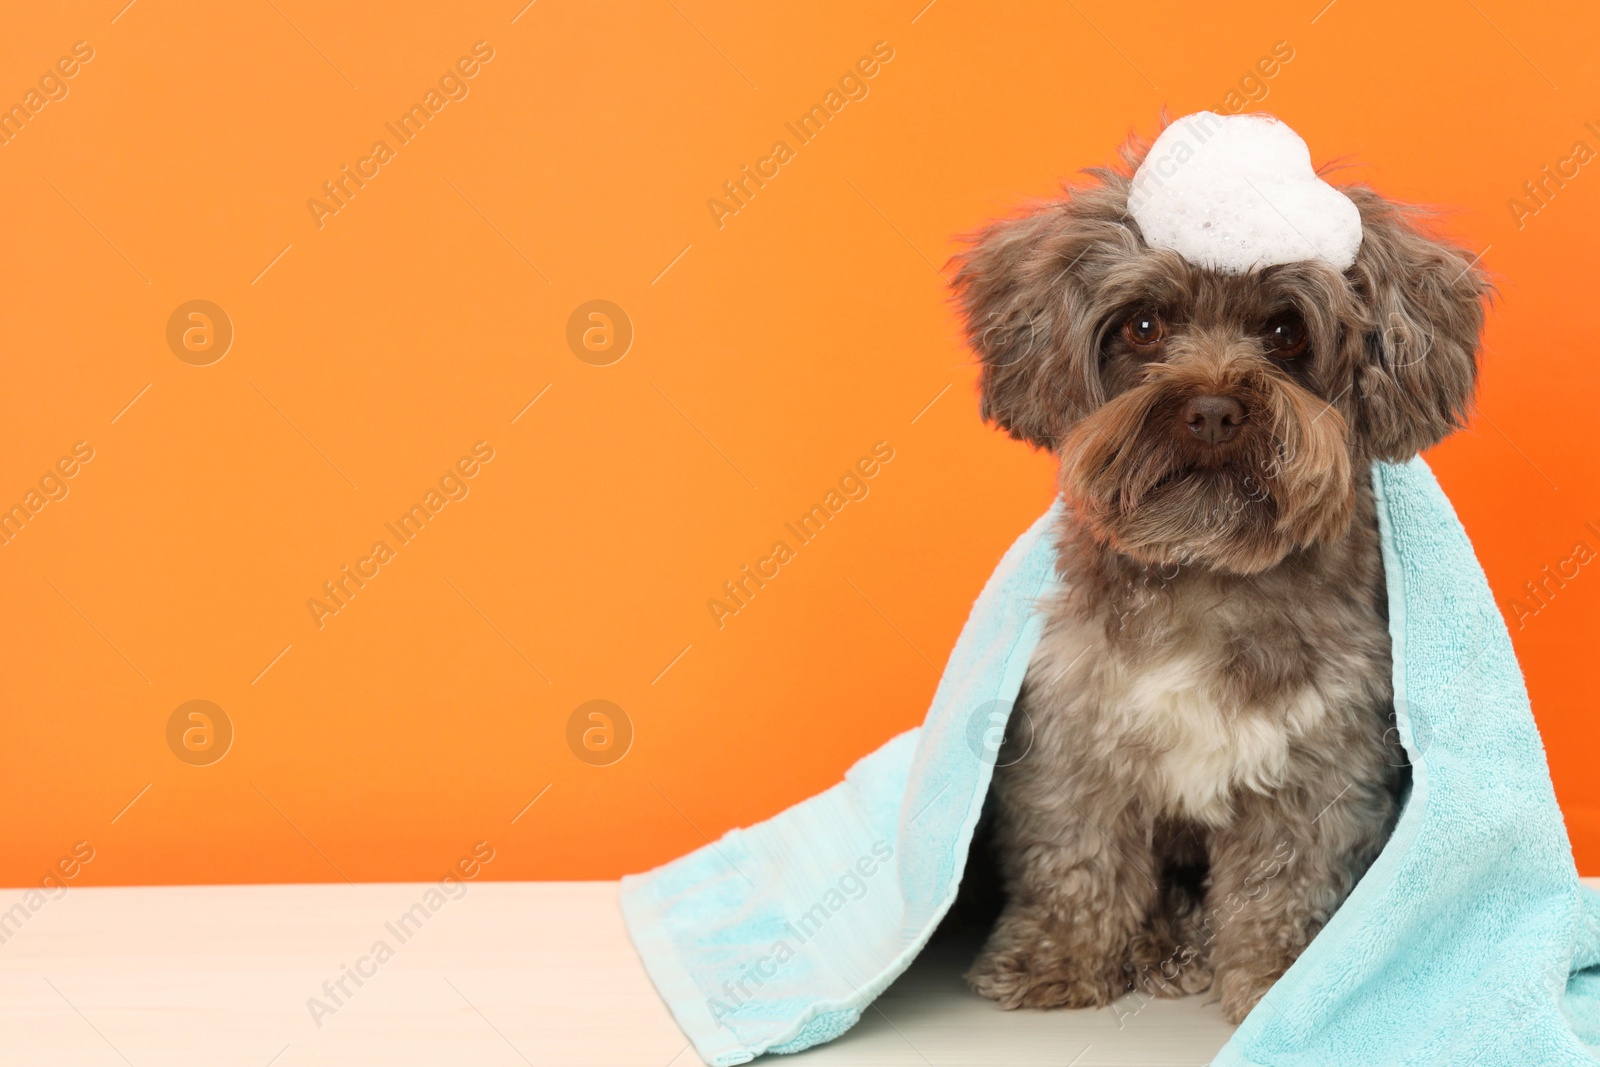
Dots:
pixel 1213 419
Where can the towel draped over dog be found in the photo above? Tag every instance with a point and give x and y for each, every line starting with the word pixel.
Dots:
pixel 1469 941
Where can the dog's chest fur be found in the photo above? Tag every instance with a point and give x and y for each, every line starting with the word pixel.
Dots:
pixel 1200 746
pixel 1187 687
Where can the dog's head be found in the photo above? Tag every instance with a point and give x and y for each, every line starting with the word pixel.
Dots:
pixel 1211 417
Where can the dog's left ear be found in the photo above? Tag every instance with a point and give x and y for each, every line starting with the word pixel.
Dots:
pixel 1418 366
pixel 1026 289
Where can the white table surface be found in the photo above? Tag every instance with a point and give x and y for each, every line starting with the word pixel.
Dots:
pixel 510 973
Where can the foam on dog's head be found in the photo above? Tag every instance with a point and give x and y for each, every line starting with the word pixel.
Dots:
pixel 1237 192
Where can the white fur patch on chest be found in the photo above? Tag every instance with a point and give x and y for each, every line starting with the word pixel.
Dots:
pixel 1203 748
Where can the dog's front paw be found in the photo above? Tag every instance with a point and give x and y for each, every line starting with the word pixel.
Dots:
pixel 1162 967
pixel 1030 978
pixel 1241 988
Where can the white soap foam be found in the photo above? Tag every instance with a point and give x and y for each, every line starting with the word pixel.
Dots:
pixel 1236 193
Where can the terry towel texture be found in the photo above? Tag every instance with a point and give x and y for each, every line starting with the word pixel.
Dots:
pixel 1470 940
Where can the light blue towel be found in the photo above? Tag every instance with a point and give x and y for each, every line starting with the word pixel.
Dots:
pixel 1466 943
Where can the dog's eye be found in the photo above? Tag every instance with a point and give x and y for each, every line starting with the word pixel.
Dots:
pixel 1286 336
pixel 1144 329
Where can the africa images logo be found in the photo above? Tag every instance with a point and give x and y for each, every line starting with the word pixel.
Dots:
pixel 852 86
pixel 453 85
pixel 850 886
pixel 739 591
pixel 339 591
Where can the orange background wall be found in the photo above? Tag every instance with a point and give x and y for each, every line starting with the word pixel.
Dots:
pixel 770 353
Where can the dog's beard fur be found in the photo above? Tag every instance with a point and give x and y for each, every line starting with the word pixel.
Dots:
pixel 1163 498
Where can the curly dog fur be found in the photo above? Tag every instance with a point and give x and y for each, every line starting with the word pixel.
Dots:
pixel 1209 767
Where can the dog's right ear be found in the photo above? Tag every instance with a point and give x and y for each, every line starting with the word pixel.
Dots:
pixel 1426 298
pixel 1020 287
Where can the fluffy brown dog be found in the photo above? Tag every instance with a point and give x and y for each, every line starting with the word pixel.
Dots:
pixel 1209 765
